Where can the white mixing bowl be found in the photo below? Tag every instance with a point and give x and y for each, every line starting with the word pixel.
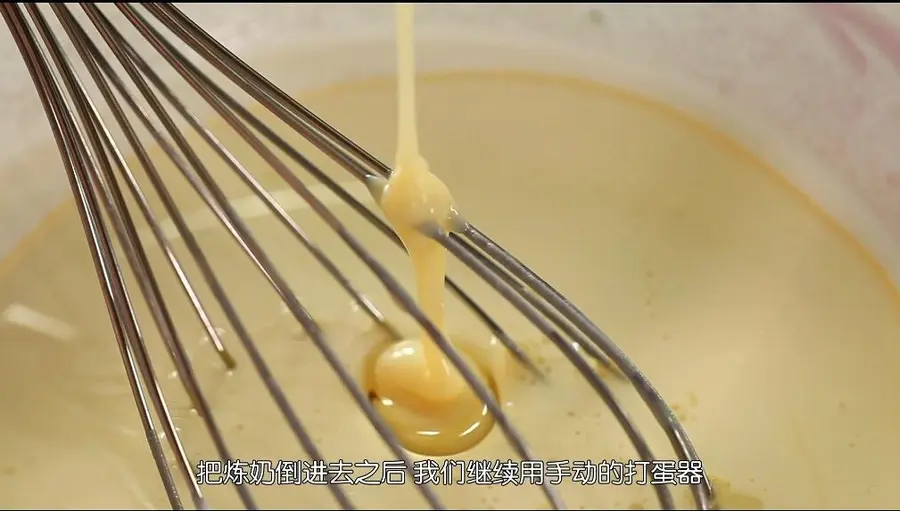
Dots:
pixel 820 80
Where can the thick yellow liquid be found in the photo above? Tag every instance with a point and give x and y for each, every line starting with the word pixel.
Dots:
pixel 421 394
pixel 769 329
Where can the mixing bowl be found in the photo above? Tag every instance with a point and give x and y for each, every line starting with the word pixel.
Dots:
pixel 812 89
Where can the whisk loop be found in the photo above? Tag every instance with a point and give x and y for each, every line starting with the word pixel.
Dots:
pixel 97 171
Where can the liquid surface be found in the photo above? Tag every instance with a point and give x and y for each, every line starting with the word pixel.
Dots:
pixel 420 392
pixel 769 330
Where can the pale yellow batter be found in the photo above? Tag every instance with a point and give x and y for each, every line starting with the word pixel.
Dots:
pixel 770 329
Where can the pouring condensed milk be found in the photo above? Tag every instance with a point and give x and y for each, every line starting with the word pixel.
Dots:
pixel 432 408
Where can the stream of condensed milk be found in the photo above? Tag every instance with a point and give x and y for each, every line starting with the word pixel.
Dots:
pixel 413 380
pixel 414 201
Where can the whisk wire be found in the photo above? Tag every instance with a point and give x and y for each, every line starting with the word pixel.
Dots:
pixel 88 146
pixel 131 244
pixel 115 295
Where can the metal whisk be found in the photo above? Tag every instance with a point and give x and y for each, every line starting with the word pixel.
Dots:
pixel 96 170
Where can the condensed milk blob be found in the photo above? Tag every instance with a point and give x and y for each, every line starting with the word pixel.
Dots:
pixel 417 389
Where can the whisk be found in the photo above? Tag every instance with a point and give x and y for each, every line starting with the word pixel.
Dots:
pixel 97 170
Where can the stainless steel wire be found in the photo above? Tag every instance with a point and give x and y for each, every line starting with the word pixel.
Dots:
pixel 97 171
